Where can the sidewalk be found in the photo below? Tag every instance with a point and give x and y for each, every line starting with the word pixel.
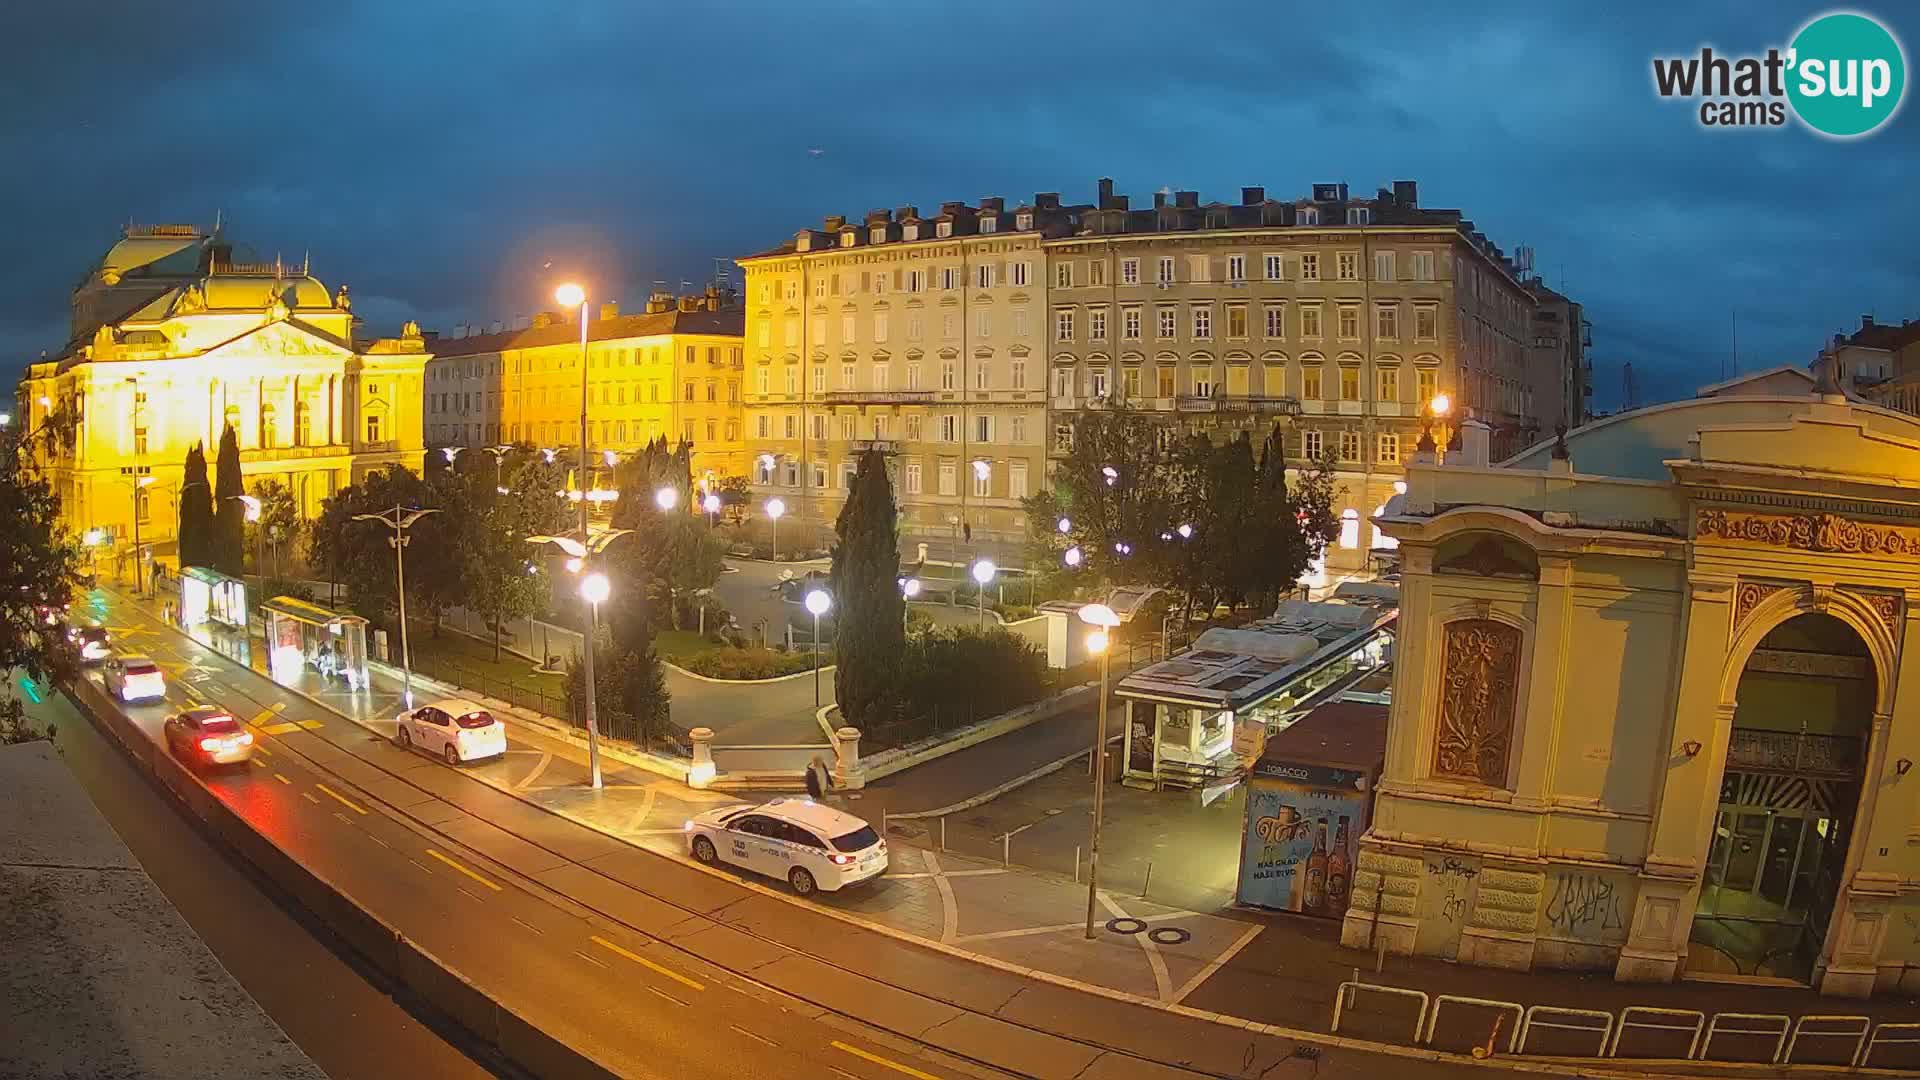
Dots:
pixel 1277 970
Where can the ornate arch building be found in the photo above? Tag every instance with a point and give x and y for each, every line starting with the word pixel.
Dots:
pixel 1653 707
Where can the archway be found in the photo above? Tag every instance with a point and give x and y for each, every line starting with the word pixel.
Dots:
pixel 1788 800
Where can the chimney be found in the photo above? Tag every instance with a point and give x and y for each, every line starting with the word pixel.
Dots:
pixel 1046 200
pixel 521 322
pixel 1187 200
pixel 1476 445
pixel 1106 192
pixel 497 327
pixel 907 213
pixel 993 206
pixel 1159 200
pixel 1252 196
pixel 659 302
pixel 833 222
pixel 952 207
pixel 609 311
pixel 1866 322
pixel 1406 193
pixel 879 217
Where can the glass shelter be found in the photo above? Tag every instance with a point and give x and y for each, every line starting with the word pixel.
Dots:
pixel 306 640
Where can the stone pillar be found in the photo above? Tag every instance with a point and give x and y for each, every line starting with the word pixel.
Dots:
pixel 700 774
pixel 1537 731
pixel 847 771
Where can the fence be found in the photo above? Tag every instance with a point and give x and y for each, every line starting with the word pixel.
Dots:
pixel 547 699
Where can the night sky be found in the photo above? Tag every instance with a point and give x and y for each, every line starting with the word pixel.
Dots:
pixel 451 162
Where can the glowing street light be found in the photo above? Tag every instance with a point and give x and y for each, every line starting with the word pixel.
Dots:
pixel 451 452
pixel 775 508
pixel 594 589
pixel 609 457
pixel 1112 474
pixel 547 454
pixel 666 498
pixel 1441 405
pixel 982 468
pixel 1103 619
pixel 593 592
pixel 817 603
pixel 909 588
pixel 983 572
pixel 1074 556
pixel 711 504
pixel 570 295
pixel 1185 531
pixel 5 418
pixel 1064 526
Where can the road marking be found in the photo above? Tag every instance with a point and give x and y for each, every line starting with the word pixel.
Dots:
pixel 751 1035
pixel 528 925
pixel 257 763
pixel 842 1072
pixel 269 712
pixel 342 799
pixel 669 997
pixel 944 873
pixel 308 795
pixel 878 1060
pixel 379 841
pixel 344 818
pixel 646 963
pixel 263 751
pixel 591 960
pixel 463 870
pixel 280 729
pixel 311 725
pixel 424 868
pixel 1216 964
pixel 477 898
pixel 282 779
pixel 949 907
pixel 545 760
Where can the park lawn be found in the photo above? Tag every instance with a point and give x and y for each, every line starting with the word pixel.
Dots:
pixel 677 645
pixel 457 648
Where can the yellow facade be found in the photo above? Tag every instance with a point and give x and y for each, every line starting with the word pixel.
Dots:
pixel 674 372
pixel 1650 703
pixel 172 341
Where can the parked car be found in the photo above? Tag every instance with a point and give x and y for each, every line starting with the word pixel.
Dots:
pixel 209 736
pixel 456 729
pixel 93 643
pixel 810 845
pixel 134 678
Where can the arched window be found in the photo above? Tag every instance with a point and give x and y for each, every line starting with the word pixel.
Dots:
pixel 1349 528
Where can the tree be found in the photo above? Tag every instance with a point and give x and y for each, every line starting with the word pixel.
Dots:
pixel 279 520
pixel 1117 489
pixel 228 550
pixel 505 577
pixel 871 613
pixel 196 512
pixel 631 700
pixel 359 550
pixel 39 572
pixel 736 499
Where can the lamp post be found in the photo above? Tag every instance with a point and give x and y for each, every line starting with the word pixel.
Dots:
pixel 594 589
pixel 909 588
pixel 776 507
pixel 1103 620
pixel 400 519
pixel 817 602
pixel 499 455
pixel 571 295
pixel 1439 407
pixel 983 572
pixel 577 552
pixel 139 588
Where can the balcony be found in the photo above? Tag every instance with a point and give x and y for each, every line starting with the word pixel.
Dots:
pixel 1786 752
pixel 1257 403
pixel 885 446
pixel 1196 403
pixel 879 397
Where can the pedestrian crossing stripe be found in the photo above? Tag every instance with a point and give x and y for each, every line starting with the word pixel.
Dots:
pixel 280 729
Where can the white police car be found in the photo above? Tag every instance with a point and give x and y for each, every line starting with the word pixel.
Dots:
pixel 812 846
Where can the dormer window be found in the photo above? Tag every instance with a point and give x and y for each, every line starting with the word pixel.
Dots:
pixel 943 229
pixel 1023 221
pixel 879 235
pixel 1359 215
pixel 988 223
pixel 1309 215
pixel 910 232
pixel 848 239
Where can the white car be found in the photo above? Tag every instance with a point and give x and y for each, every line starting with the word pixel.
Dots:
pixel 455 729
pixel 134 678
pixel 811 846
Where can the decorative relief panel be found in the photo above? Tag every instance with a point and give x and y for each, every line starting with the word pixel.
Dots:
pixel 1749 596
pixel 1887 607
pixel 1479 683
pixel 1808 532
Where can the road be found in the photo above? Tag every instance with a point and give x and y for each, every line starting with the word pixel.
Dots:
pixel 292 967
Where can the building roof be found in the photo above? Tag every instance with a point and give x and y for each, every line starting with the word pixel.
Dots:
pixel 1241 667
pixel 726 322
pixel 1339 734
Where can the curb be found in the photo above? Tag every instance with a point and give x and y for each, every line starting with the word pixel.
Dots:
pixel 993 793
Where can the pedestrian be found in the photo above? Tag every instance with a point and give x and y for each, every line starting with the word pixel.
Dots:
pixel 818 779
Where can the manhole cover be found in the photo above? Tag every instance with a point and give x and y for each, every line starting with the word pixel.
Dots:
pixel 1125 926
pixel 1168 935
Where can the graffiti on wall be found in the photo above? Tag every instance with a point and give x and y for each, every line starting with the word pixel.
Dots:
pixel 1446 896
pixel 1585 905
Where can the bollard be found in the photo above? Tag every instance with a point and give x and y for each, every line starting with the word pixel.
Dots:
pixel 702 772
pixel 847 770
pixel 1076 864
pixel 1149 882
pixel 943 832
pixel 1006 849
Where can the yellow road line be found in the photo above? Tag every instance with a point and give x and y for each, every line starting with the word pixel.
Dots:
pixel 258 749
pixel 280 729
pixel 463 870
pixel 342 799
pixel 887 1062
pixel 310 725
pixel 646 963
pixel 257 763
pixel 282 779
pixel 268 712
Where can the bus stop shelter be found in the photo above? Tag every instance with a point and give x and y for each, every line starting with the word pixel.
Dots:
pixel 305 639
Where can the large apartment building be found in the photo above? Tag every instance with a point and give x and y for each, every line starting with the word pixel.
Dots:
pixel 672 370
pixel 966 342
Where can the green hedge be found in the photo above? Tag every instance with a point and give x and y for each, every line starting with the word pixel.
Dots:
pixel 729 663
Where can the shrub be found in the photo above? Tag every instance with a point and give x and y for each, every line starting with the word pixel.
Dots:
pixel 746 664
pixel 276 586
pixel 988 673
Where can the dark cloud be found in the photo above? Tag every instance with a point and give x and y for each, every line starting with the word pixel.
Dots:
pixel 449 160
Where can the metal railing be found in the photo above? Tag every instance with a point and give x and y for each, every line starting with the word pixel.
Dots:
pixel 1791 752
pixel 542 698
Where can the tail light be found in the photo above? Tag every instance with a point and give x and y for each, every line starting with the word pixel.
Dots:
pixel 842 859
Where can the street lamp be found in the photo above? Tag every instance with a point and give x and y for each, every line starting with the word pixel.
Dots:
pixel 1185 531
pixel 909 588
pixel 139 588
pixel 817 602
pixel 1065 526
pixel 400 519
pixel 666 498
pixel 1073 557
pixel 983 572
pixel 5 418
pixel 711 504
pixel 577 552
pixel 776 507
pixel 1103 620
pixel 499 455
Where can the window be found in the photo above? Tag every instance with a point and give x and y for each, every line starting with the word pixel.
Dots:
pixel 914 328
pixel 1310 383
pixel 881 429
pixel 1163 381
pixel 1386 322
pixel 1203 324
pixel 1310 445
pixel 1017 480
pixel 913 478
pixel 1349 383
pixel 1017 374
pixel 913 427
pixel 1237 321
pixel 1199 268
pixel 983 276
pixel 1310 267
pixel 1203 382
pixel 1096 271
pixel 1389 383
pixel 982 375
pixel 1383 266
pixel 880 377
pixel 1019 322
pixel 1276 322
pixel 1428 382
pixel 792 426
pixel 1426 322
pixel 1166 270
pixel 1348 266
pixel 713 430
pixel 1310 321
pixel 982 479
pixel 1349 322
pixel 1019 273
pixel 949 427
pixel 1097 324
pixel 1130 383
pixel 820 474
pixel 763 427
pixel 1017 425
pixel 793 290
pixel 846 475
pixel 1166 323
pixel 879 282
pixel 949 376
pixel 1389 448
pixel 1097 382
pixel 846 331
pixel 1063 275
pixel 989 223
pixel 1275 266
pixel 916 280
pixel 947 477
pixel 848 377
pixel 1308 215
pixel 1063 438
pixel 983 428
pixel 1236 268
pixel 1130 324
pixel 1422 265
pixel 1349 446
pixel 1063 382
pixel 791 332
pixel 949 326
pixel 1359 215
pixel 1129 271
pixel 793 474
pixel 983 324
pixel 1349 518
pixel 1063 326
pixel 818 422
pixel 373 427
pixel 943 229
pixel 949 275
pixel 913 375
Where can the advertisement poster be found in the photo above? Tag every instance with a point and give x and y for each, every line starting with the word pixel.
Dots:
pixel 1300 841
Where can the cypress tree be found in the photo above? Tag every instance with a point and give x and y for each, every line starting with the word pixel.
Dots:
pixel 228 549
pixel 196 511
pixel 868 607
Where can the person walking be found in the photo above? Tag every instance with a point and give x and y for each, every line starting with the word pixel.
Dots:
pixel 819 780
